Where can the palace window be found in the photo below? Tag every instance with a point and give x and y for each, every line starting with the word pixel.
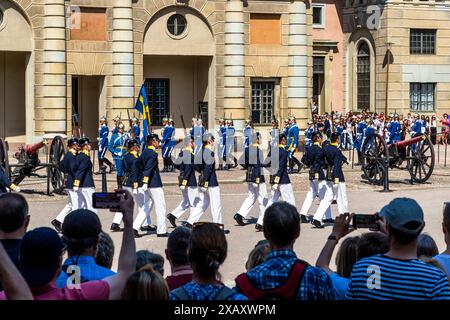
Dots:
pixel 422 96
pixel 422 41
pixel 176 24
pixel 158 99
pixel 318 15
pixel 363 76
pixel 262 101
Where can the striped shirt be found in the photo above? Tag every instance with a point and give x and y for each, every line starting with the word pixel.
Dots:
pixel 384 278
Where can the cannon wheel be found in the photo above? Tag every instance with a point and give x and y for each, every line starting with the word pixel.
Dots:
pixel 375 153
pixel 4 161
pixel 55 175
pixel 421 160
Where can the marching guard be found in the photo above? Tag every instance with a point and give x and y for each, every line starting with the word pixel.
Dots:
pixel 117 148
pixel 281 184
pixel 292 141
pixel 208 182
pixel 229 145
pixel 152 184
pixel 314 158
pixel 188 185
pixel 222 133
pixel 103 133
pixel 168 143
pixel 255 182
pixel 83 181
pixel 67 165
pixel 133 172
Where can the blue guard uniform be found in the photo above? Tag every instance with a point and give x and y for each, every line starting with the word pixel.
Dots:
pixel 168 143
pixel 229 146
pixel 247 134
pixel 308 137
pixel 117 148
pixel 394 132
pixel 137 132
pixel 222 132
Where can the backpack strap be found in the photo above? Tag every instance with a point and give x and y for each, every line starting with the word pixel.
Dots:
pixel 180 294
pixel 225 293
pixel 287 291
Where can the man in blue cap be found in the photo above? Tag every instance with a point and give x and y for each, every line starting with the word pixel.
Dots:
pixel 398 274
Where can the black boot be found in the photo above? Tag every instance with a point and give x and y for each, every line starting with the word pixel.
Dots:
pixel 119 182
pixel 170 164
pixel 165 165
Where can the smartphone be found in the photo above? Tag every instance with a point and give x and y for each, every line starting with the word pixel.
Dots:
pixel 365 221
pixel 106 200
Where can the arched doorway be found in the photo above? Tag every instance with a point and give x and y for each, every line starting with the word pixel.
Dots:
pixel 178 65
pixel 363 76
pixel 16 73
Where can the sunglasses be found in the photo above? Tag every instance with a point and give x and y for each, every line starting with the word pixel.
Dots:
pixel 200 224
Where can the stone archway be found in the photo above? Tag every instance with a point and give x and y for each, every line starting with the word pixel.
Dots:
pixel 179 65
pixel 16 73
pixel 358 40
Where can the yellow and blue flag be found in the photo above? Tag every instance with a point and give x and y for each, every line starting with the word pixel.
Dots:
pixel 143 108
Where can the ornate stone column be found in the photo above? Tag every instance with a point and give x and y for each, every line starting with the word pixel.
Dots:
pixel 298 59
pixel 123 66
pixel 50 101
pixel 234 92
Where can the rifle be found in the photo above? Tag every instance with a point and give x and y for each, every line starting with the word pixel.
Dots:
pixel 131 125
pixel 75 126
pixel 182 120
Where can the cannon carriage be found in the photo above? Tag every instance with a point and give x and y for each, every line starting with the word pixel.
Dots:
pixel 30 165
pixel 417 153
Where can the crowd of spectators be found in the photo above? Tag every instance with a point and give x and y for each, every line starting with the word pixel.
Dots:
pixel 397 261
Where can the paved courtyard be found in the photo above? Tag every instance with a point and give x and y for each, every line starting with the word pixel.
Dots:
pixel 363 198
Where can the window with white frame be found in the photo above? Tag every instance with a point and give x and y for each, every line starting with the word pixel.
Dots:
pixel 318 15
pixel 263 99
pixel 422 96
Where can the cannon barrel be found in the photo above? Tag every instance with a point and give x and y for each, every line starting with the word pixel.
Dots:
pixel 33 148
pixel 403 144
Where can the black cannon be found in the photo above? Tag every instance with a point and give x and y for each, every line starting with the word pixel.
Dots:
pixel 28 163
pixel 417 152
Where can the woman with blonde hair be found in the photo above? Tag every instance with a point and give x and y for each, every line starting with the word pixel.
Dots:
pixel 146 284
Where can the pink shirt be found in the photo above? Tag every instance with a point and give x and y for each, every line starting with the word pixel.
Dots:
pixel 92 290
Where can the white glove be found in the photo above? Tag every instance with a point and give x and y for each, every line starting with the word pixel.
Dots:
pixel 17 189
pixel 98 139
pixel 135 191
pixel 182 188
pixel 203 189
pixel 255 185
pixel 75 189
pixel 275 187
pixel 349 163
pixel 144 187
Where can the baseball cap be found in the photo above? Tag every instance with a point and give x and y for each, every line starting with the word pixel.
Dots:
pixel 404 214
pixel 81 224
pixel 40 253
